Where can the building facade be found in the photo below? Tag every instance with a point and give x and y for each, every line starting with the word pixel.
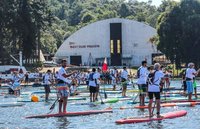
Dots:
pixel 121 41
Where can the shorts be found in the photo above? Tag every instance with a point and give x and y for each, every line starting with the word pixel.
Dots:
pixel 47 89
pixel 156 94
pixel 87 82
pixel 63 93
pixel 97 88
pixel 142 88
pixel 93 89
pixel 189 87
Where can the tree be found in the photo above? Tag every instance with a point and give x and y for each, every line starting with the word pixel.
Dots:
pixel 179 34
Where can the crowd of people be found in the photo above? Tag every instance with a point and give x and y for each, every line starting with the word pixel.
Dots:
pixel 150 80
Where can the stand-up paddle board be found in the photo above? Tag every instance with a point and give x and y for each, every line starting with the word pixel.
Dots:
pixel 112 100
pixel 111 92
pixel 169 115
pixel 11 104
pixel 71 114
pixel 171 105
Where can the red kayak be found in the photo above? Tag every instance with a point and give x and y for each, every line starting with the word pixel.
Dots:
pixel 171 105
pixel 169 115
pixel 71 114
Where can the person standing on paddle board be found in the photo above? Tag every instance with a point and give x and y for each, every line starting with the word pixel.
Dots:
pixel 47 80
pixel 142 81
pixel 154 88
pixel 190 74
pixel 63 86
pixel 124 78
pixel 97 74
pixel 92 85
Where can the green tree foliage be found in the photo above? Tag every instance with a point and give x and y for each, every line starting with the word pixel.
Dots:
pixel 29 25
pixel 178 30
pixel 21 23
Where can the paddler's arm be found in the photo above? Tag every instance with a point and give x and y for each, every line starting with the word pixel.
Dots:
pixel 68 75
pixel 196 72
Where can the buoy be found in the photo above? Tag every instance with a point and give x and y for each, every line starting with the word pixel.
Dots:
pixel 35 98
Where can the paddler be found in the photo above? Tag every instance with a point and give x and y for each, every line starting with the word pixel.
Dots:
pixel 142 81
pixel 92 85
pixel 48 80
pixel 124 79
pixel 15 84
pixel 190 74
pixel 63 86
pixel 154 88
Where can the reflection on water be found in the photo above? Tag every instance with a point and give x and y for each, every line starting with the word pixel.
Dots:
pixel 63 122
pixel 155 125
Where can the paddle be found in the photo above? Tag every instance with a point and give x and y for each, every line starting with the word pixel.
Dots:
pixel 135 98
pixel 101 98
pixel 53 106
pixel 105 95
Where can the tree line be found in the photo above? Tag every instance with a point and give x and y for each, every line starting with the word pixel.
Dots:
pixel 31 25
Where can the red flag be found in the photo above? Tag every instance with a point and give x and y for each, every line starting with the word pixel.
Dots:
pixel 105 65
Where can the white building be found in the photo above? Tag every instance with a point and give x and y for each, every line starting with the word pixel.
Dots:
pixel 122 41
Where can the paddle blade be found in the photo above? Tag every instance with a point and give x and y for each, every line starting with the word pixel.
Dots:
pixel 105 95
pixel 52 107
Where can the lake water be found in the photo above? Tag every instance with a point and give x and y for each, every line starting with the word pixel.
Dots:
pixel 13 117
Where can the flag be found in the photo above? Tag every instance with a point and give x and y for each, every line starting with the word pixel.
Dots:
pixel 105 65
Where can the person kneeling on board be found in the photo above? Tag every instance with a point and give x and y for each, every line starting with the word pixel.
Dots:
pixel 63 86
pixel 14 89
pixel 154 89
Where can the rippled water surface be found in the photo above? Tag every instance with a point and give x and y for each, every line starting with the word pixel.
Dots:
pixel 13 117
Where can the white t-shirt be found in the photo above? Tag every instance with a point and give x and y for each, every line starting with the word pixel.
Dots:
pixel 155 87
pixel 47 78
pixel 143 75
pixel 97 74
pixel 124 74
pixel 190 73
pixel 93 83
pixel 60 75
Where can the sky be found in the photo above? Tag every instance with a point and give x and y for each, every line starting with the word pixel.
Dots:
pixel 154 2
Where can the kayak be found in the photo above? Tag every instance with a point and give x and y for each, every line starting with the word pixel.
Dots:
pixel 169 115
pixel 81 113
pixel 171 105
pixel 11 104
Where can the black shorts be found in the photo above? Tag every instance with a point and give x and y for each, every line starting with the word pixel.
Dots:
pixel 156 94
pixel 87 82
pixel 184 86
pixel 97 88
pixel 93 89
pixel 47 89
pixel 142 88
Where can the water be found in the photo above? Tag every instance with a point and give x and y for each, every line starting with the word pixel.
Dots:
pixel 13 117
